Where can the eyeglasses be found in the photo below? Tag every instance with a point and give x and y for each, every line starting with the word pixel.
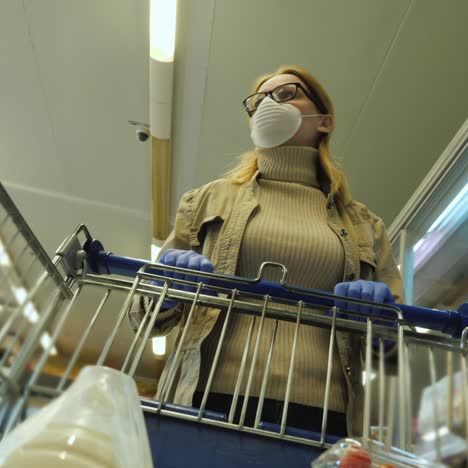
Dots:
pixel 282 93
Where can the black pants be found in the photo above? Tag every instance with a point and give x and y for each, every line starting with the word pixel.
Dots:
pixel 300 416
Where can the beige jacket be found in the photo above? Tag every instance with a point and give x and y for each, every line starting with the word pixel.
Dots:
pixel 211 221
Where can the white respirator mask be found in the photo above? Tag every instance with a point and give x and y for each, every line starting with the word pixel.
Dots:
pixel 274 123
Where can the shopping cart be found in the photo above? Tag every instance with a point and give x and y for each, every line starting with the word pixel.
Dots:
pixel 84 294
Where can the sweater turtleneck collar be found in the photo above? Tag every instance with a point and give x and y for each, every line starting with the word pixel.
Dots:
pixel 289 164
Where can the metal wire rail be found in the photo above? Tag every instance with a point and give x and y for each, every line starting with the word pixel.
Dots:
pixel 82 265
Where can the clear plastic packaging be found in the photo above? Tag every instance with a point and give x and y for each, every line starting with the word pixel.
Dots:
pixel 352 453
pixel 97 422
pixel 449 442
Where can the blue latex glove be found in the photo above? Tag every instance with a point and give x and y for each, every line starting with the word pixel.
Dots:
pixel 184 259
pixel 368 291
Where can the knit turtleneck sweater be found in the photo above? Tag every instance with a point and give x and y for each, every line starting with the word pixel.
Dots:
pixel 289 227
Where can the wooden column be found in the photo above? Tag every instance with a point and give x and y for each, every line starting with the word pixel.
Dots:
pixel 161 172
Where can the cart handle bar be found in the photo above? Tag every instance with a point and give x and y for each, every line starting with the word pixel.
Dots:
pixel 450 322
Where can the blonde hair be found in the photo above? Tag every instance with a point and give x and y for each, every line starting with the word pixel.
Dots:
pixel 244 169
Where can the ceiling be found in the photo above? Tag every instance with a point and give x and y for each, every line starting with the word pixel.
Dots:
pixel 74 73
pixel 396 72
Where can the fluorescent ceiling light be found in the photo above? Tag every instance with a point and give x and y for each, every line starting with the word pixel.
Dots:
pixel 4 258
pixel 456 212
pixel 159 345
pixel 162 29
pixel 418 244
pixel 30 312
pixel 21 294
pixel 452 210
pixel 46 342
pixel 442 228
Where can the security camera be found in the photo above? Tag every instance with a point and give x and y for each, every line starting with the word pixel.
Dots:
pixel 142 134
pixel 142 131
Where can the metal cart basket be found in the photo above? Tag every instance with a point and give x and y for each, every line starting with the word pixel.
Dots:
pixel 59 309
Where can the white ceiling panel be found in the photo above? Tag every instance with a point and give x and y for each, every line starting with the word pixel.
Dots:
pixel 87 74
pixel 193 38
pixel 418 103
pixel 52 216
pixel 73 74
pixel 28 151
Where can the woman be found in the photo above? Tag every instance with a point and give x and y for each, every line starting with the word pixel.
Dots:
pixel 287 202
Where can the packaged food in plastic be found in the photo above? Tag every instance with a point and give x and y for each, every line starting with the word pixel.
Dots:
pixel 440 390
pixel 442 430
pixel 96 422
pixel 352 453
